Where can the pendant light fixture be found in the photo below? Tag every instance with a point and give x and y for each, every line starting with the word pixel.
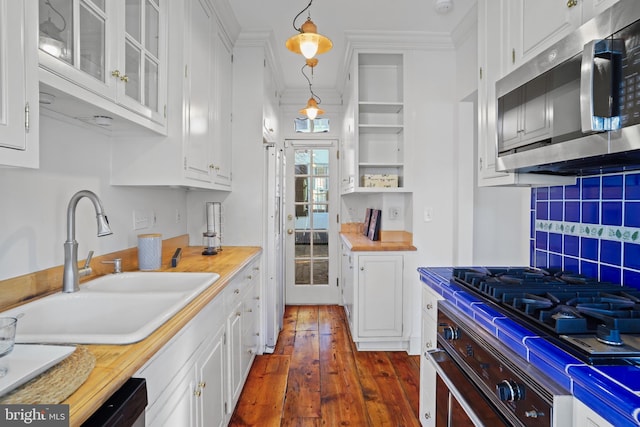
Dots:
pixel 308 42
pixel 311 110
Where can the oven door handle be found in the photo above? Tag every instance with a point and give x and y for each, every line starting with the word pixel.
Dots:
pixel 432 357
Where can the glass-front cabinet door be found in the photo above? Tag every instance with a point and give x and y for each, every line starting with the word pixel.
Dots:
pixel 142 55
pixel 74 38
pixel 115 48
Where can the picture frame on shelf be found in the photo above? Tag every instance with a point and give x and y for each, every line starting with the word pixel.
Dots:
pixel 374 225
pixel 367 221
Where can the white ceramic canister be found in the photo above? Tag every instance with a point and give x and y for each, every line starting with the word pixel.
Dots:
pixel 149 251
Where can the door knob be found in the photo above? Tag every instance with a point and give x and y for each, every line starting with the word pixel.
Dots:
pixel 290 231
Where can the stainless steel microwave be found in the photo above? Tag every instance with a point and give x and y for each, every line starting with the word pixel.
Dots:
pixel 574 109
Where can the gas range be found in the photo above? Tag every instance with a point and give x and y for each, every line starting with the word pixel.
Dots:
pixel 597 322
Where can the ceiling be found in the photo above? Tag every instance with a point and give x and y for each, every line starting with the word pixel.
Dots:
pixel 334 19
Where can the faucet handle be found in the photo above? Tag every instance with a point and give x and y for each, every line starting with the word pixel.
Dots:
pixel 86 270
pixel 117 265
pixel 88 260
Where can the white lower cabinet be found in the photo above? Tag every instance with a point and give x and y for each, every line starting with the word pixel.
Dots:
pixel 428 373
pixel 585 416
pixel 197 377
pixel 373 293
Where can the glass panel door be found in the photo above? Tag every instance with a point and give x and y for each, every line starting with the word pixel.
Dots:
pixel 311 178
pixel 312 210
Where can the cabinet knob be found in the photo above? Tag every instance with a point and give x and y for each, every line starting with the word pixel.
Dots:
pixel 202 384
pixel 427 415
pixel 214 167
pixel 572 3
pixel 236 291
pixel 197 393
pixel 290 231
pixel 125 78
pixel 238 314
pixel 361 268
pixel 428 344
pixel 429 306
pixel 115 73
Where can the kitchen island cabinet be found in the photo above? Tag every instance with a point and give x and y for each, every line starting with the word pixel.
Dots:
pixel 373 292
pixel 115 364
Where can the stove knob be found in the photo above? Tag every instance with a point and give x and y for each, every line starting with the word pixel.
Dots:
pixel 509 391
pixel 450 333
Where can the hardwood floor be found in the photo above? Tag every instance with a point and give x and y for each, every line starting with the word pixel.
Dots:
pixel 316 377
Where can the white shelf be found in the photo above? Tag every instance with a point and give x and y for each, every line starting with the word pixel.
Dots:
pixel 383 129
pixel 380 165
pixel 381 107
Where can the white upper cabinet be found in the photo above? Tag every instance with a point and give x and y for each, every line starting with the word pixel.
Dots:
pixel 208 74
pixel 105 58
pixel 223 72
pixel 375 120
pixel 18 85
pixel 196 153
pixel 534 25
pixel 498 20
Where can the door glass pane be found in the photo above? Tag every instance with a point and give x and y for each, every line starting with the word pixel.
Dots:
pixel 320 271
pixel 152 29
pixel 92 48
pixel 312 216
pixel 55 28
pixel 133 19
pixel 99 4
pixel 151 84
pixel 132 70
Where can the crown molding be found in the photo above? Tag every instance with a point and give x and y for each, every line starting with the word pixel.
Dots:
pixel 266 40
pixel 467 28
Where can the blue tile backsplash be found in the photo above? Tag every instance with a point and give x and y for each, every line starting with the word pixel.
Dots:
pixel 592 227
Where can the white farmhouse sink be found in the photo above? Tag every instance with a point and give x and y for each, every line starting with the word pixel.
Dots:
pixel 119 309
pixel 151 282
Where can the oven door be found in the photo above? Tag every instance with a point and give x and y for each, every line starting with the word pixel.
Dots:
pixel 458 401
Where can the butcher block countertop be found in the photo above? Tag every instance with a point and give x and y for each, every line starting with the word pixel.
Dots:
pixel 117 363
pixel 357 242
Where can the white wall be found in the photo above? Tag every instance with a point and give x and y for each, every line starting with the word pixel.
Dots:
pixel 34 202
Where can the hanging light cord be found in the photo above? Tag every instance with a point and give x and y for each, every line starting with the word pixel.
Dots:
pixel 301 12
pixel 64 21
pixel 313 95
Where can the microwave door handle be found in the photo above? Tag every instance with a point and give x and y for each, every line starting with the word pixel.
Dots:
pixel 598 83
pixel 587 69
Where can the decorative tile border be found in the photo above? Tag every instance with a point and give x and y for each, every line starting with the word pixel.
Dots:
pixel 607 232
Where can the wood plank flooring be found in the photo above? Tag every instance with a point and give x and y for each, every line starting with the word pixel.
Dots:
pixel 316 377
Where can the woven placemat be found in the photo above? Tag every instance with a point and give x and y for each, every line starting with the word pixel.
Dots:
pixel 56 383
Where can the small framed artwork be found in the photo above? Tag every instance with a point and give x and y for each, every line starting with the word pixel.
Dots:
pixel 367 221
pixel 374 225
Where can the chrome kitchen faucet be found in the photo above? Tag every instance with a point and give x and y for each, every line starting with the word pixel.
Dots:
pixel 71 275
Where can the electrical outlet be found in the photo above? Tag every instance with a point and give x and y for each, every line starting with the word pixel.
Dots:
pixel 178 216
pixel 428 214
pixel 394 213
pixel 141 219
